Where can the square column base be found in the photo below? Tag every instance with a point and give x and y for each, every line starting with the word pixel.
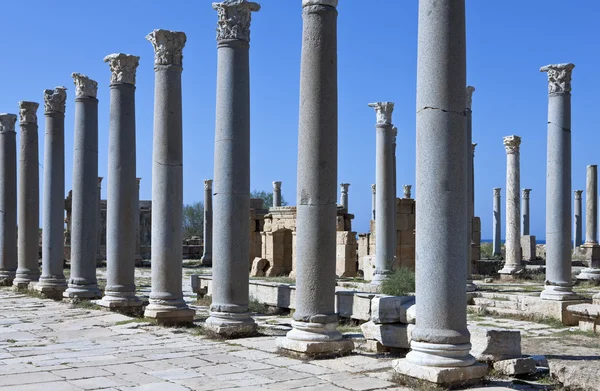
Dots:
pixel 131 306
pixel 49 291
pixel 170 317
pixel 447 376
pixel 315 349
pixel 591 254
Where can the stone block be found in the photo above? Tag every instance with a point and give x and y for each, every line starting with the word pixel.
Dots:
pixel 391 335
pixel 588 316
pixel 411 314
pixel 591 254
pixel 353 305
pixel 495 344
pixel 540 251
pixel 259 267
pixel 368 267
pixel 448 376
pixel 476 224
pixel 315 349
pixel 475 252
pixel 405 205
pixel 572 375
pixel 391 309
pixel 402 222
pixel 339 223
pixel 516 366
pixel 554 309
pixel 528 247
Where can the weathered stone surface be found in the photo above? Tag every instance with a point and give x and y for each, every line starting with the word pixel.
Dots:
pixel 550 308
pixel 391 309
pixel 495 344
pixel 588 316
pixel 528 248
pixel 355 305
pixel 411 314
pixel 393 335
pixel 516 366
pixel 441 375
pixel 259 267
pixel 573 375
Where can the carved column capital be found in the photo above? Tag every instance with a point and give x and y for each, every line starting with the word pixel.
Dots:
pixel 578 194
pixel 384 112
pixel 122 68
pixel 7 122
pixel 234 19
pixel 512 143
pixel 497 191
pixel 28 112
pixel 84 86
pixel 331 3
pixel 208 184
pixel 277 185
pixel 469 96
pixel 100 181
pixel 168 46
pixel 407 190
pixel 526 193
pixel 137 182
pixel 373 188
pixel 54 100
pixel 559 77
pixel 344 187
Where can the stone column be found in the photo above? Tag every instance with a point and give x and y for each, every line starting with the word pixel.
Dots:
pixel 559 285
pixel 407 190
pixel 138 240
pixel 577 220
pixel 373 201
pixel 52 281
pixel 277 194
pixel 470 151
pixel 315 321
pixel 229 315
pixel 525 211
pixel 512 244
pixel 385 226
pixel 122 198
pixel 206 259
pixel 591 205
pixel 344 195
pixel 166 298
pixel 440 341
pixel 99 226
pixel 29 198
pixel 8 198
pixel 82 282
pixel 497 222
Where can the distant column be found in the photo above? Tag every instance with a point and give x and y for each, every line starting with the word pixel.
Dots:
pixel 513 259
pixel 99 226
pixel 208 223
pixel 52 281
pixel 497 222
pixel 166 298
pixel 577 221
pixel 591 205
pixel 138 240
pixel 525 211
pixel 559 285
pixel 277 194
pixel 122 199
pixel 28 198
pixel 82 282
pixel 373 201
pixel 470 188
pixel 407 190
pixel 344 195
pixel 8 198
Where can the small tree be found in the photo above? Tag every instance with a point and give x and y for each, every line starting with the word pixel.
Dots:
pixel 193 220
pixel 266 197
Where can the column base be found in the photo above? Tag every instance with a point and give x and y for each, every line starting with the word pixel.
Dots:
pixel 120 302
pixel 558 293
pixel 471 287
pixel 50 288
pixel 447 376
pixel 7 278
pixel 77 292
pixel 315 340
pixel 231 324
pixel 22 282
pixel 510 271
pixel 206 261
pixel 170 313
pixel 589 274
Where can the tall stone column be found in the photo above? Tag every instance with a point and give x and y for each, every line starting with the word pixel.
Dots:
pixel 122 199
pixel 206 259
pixel 470 188
pixel 229 315
pixel 344 195
pixel 82 282
pixel 512 260
pixel 277 194
pixel 591 205
pixel 385 226
pixel 559 285
pixel 525 211
pixel 315 321
pixel 29 198
pixel 99 226
pixel 497 222
pixel 8 198
pixel 440 341
pixel 577 219
pixel 166 298
pixel 138 239
pixel 52 281
pixel 373 200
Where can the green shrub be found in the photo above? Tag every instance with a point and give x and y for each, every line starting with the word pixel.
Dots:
pixel 399 283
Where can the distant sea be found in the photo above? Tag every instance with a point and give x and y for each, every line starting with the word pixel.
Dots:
pixel 537 241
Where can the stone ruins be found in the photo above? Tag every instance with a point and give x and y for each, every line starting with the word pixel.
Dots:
pixel 336 272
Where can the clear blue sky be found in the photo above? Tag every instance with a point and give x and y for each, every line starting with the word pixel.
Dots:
pixel 507 42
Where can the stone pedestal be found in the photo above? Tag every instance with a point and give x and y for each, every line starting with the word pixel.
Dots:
pixel 8 199
pixel 440 341
pixel 229 314
pixel 577 222
pixel 276 194
pixel 315 321
pixel 344 195
pixel 528 247
pixel 346 254
pixel 28 207
pixel 497 223
pixel 82 282
pixel 166 298
pixel 206 259
pixel 122 207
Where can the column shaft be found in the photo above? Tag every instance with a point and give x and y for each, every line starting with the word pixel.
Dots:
pixel 138 239
pixel 470 191
pixel 525 212
pixel 208 224
pixel 577 223
pixel 512 263
pixel 373 201
pixel 344 195
pixel 497 222
pixel 276 194
pixel 591 205
pixel 8 198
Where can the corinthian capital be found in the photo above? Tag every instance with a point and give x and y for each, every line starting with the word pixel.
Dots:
pixel 473 145
pixel 526 193
pixel 497 191
pixel 511 143
pixel 277 185
pixel 28 112
pixel 122 67
pixel 470 90
pixel 234 19
pixel 168 46
pixel 54 100
pixel 373 187
pixel 578 194
pixel 208 184
pixel 84 86
pixel 384 112
pixel 331 3
pixel 7 122
pixel 137 182
pixel 559 77
pixel 344 187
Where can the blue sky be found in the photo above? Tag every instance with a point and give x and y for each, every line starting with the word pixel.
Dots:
pixel 507 42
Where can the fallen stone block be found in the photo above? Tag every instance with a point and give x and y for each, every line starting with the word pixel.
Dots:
pixel 259 267
pixel 391 335
pixel 588 316
pixel 390 309
pixel 540 361
pixel 495 344
pixel 573 375
pixel 516 366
